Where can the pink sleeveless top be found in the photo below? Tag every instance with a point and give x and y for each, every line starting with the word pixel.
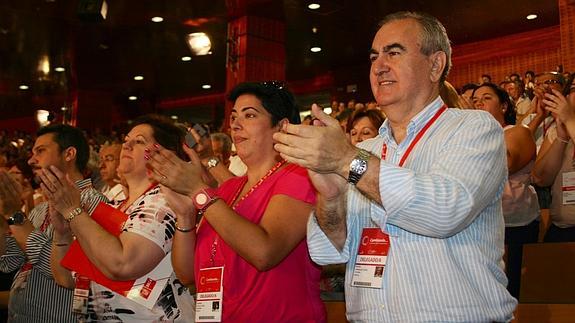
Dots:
pixel 288 292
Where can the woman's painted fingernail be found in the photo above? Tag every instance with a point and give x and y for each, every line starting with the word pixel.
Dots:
pixel 156 146
pixel 147 157
pixel 147 150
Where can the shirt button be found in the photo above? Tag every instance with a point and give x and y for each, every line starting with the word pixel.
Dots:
pixel 382 307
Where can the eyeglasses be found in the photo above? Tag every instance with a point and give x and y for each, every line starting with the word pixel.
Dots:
pixel 109 158
pixel 548 82
pixel 278 85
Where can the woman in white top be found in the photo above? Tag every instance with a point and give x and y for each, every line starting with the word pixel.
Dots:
pixel 556 164
pixel 520 205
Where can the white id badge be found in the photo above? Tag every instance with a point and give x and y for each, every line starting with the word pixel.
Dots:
pixel 209 295
pixel 371 259
pixel 568 188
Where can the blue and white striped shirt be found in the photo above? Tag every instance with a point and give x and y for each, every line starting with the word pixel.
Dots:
pixel 42 300
pixel 442 210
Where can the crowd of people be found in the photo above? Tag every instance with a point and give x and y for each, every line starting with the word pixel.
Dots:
pixel 416 193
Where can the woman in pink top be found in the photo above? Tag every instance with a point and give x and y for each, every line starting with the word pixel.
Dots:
pixel 247 252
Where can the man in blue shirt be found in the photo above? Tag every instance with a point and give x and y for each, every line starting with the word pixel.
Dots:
pixel 422 199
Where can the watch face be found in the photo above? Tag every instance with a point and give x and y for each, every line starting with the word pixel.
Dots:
pixel 358 166
pixel 17 218
pixel 201 199
pixel 213 162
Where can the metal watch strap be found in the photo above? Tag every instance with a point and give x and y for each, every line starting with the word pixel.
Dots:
pixel 212 162
pixel 17 218
pixel 75 212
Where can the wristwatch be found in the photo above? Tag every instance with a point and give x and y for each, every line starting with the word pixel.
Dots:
pixel 204 198
pixel 212 162
pixel 358 166
pixel 17 218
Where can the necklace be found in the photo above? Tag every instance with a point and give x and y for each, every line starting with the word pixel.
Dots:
pixel 266 176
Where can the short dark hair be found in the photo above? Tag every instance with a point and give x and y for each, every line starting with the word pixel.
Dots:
pixel 224 139
pixel 520 85
pixel 67 136
pixel 468 86
pixel 165 132
pixel 516 75
pixel 510 115
pixel 26 170
pixel 275 98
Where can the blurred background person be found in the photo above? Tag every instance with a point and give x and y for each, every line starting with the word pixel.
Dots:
pixel 108 164
pixel 555 165
pixel 466 95
pixel 516 90
pixel 364 124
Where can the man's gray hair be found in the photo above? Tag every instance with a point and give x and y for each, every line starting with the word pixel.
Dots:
pixel 224 139
pixel 433 37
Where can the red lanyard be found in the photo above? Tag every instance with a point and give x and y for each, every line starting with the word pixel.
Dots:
pixel 152 185
pixel 417 138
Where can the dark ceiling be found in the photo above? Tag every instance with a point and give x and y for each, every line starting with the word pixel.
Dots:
pixel 104 56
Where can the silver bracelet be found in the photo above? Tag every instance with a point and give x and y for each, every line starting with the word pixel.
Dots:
pixel 182 229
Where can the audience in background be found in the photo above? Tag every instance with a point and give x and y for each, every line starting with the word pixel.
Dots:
pixel 108 165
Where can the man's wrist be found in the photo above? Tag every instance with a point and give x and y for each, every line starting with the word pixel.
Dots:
pixel 9 214
pixel 17 218
pixel 346 160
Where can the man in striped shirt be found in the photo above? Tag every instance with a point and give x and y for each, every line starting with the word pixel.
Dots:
pixel 35 296
pixel 420 227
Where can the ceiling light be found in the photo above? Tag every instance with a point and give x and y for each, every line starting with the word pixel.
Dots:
pixel 44 65
pixel 531 16
pixel 315 49
pixel 174 117
pixel 132 98
pixel 138 77
pixel 157 19
pixel 42 117
pixel 63 108
pixel 199 43
pixel 313 6
pixel 186 58
pixel 206 86
pixel 314 30
pixel 59 69
pixel 23 87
